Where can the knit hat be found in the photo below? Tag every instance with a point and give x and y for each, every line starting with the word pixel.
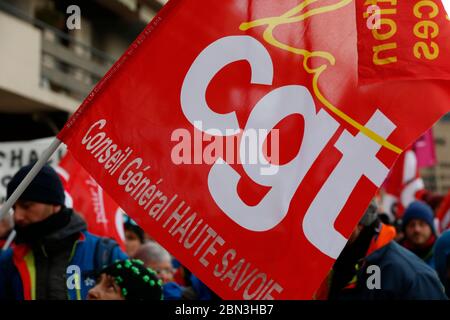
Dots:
pixel 418 210
pixel 46 187
pixel 135 281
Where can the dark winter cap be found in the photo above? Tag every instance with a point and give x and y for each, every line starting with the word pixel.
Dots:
pixel 135 281
pixel 46 187
pixel 418 210
pixel 132 226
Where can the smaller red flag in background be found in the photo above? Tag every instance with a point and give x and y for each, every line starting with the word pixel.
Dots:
pixel 402 184
pixel 101 213
pixel 425 150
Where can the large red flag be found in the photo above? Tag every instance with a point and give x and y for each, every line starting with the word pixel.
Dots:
pixel 204 74
pixel 425 150
pixel 101 213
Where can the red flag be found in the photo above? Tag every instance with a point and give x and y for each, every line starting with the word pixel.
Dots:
pixel 101 213
pixel 205 74
pixel 425 150
pixel 402 184
pixel 403 40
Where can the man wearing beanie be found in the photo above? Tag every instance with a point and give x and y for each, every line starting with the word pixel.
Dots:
pixel 53 253
pixel 127 280
pixel 419 231
pixel 402 275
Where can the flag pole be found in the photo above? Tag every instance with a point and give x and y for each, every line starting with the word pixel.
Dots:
pixel 9 240
pixel 4 210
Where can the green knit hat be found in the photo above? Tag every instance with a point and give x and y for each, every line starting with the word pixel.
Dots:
pixel 135 281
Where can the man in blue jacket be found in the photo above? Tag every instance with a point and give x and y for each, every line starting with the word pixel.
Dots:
pixel 54 255
pixel 442 259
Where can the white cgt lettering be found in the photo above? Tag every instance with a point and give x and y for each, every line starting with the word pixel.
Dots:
pixel 358 152
pixel 358 159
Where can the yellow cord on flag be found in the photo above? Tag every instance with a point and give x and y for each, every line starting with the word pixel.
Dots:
pixel 290 17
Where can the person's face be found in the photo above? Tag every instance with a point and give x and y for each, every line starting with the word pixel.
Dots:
pixel 164 270
pixel 29 212
pixel 105 289
pixel 132 243
pixel 418 232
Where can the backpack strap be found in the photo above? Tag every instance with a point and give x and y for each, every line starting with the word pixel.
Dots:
pixel 104 253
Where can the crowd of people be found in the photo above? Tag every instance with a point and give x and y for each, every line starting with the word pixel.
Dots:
pixel 411 255
pixel 412 260
pixel 50 238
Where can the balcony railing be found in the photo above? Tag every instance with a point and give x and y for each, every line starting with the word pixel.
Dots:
pixel 68 65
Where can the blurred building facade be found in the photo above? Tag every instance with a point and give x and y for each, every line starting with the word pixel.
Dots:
pixel 46 69
pixel 437 177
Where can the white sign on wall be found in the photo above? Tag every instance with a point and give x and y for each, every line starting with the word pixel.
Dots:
pixel 14 155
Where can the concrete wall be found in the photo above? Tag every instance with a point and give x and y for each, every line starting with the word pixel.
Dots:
pixel 20 67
